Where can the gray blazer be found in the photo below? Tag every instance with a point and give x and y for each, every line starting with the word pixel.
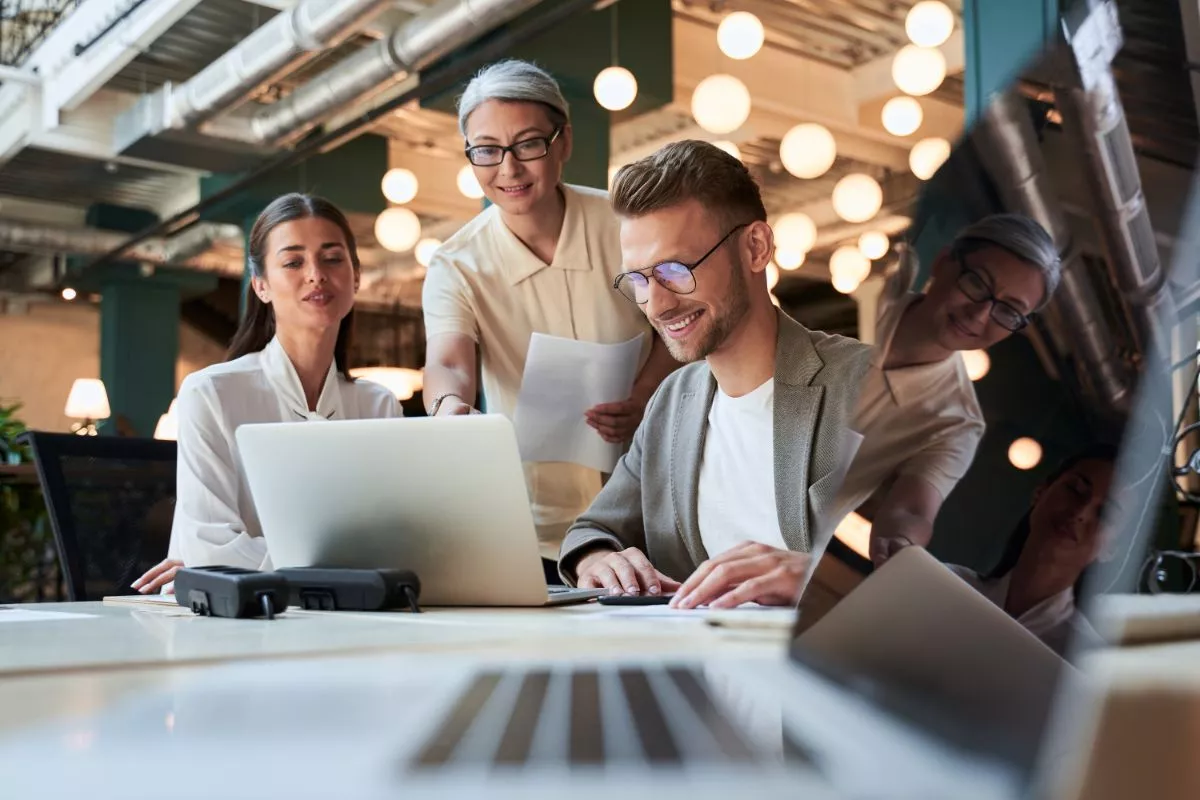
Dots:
pixel 650 500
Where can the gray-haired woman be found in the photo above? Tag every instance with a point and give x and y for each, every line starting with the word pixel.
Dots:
pixel 541 259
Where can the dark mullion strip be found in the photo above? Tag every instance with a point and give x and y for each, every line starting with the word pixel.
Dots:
pixel 441 746
pixel 518 735
pixel 726 735
pixel 587 726
pixel 657 741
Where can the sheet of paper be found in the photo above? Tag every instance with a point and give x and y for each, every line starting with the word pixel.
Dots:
pixel 153 603
pixel 563 379
pixel 18 614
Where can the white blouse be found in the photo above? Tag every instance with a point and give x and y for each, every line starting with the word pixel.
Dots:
pixel 215 521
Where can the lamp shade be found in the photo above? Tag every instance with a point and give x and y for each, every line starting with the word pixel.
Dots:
pixel 615 88
pixel 929 23
pixel 808 150
pixel 168 425
pixel 399 185
pixel 772 276
pixel 425 249
pixel 848 267
pixel 88 400
pixel 400 381
pixel 729 147
pixel 978 363
pixel 721 104
pixel 789 259
pixel 927 157
pixel 857 197
pixel 874 244
pixel 918 70
pixel 740 35
pixel 902 116
pixel 1025 453
pixel 795 231
pixel 397 229
pixel 468 184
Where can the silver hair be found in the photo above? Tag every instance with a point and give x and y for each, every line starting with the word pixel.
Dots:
pixel 1019 235
pixel 513 81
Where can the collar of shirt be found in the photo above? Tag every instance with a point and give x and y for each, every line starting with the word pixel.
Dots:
pixel 282 374
pixel 519 263
pixel 1049 613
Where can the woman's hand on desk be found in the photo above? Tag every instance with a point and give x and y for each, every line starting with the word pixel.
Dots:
pixel 748 573
pixel 158 576
pixel 626 572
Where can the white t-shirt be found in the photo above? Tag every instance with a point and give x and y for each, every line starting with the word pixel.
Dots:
pixel 483 282
pixel 215 521
pixel 736 497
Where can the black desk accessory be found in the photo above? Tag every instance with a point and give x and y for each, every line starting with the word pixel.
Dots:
pixel 231 592
pixel 321 589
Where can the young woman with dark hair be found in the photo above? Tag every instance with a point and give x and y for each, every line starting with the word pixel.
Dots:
pixel 287 362
pixel 1059 538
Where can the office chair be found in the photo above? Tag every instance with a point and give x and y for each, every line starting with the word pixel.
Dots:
pixel 111 502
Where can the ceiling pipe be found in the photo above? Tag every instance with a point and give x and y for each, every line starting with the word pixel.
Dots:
pixel 445 27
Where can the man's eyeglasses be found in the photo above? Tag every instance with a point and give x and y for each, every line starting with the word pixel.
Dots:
pixel 973 285
pixel 531 149
pixel 673 275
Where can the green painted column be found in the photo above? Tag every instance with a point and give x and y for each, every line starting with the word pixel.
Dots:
pixel 1001 37
pixel 139 346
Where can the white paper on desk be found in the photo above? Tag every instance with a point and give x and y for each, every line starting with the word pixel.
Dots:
pixel 16 614
pixel 563 379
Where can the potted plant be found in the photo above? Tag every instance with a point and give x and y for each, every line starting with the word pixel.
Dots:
pixel 28 563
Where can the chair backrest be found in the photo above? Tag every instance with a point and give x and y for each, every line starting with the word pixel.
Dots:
pixel 111 503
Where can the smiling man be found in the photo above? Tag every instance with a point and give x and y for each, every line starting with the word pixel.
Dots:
pixel 737 461
pixel 918 414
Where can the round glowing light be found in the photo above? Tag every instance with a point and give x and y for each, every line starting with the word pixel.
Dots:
pixel 1025 453
pixel 69 293
pixel 808 150
pixel 721 104
pixel 929 23
pixel 918 70
pixel 978 363
pixel 615 88
pixel 772 276
pixel 397 229
pixel 468 184
pixel 844 283
pixel 788 258
pixel 857 197
pixel 729 147
pixel 399 185
pixel 848 265
pixel 795 231
pixel 927 157
pixel 740 35
pixel 874 244
pixel 902 116
pixel 425 249
pixel 775 301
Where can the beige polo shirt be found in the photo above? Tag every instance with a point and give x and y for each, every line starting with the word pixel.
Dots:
pixel 485 283
pixel 923 421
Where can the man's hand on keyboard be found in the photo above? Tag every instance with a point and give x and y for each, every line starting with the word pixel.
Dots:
pixel 626 572
pixel 748 573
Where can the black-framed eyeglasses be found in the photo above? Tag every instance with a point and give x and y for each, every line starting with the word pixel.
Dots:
pixel 976 288
pixel 531 149
pixel 673 275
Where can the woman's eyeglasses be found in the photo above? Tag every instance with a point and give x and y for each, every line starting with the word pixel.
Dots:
pixel 673 275
pixel 972 284
pixel 531 149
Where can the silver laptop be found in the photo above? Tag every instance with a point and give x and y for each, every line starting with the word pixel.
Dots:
pixel 444 498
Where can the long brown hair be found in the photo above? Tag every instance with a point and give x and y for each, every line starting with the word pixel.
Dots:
pixel 257 327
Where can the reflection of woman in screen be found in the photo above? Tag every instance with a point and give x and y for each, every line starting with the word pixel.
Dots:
pixel 1053 544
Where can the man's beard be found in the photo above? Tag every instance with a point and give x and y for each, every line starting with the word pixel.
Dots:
pixel 723 322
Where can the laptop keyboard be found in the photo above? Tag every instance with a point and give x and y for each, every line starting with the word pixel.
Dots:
pixel 660 717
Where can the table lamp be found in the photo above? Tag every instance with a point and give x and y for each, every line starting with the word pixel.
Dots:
pixel 401 381
pixel 167 427
pixel 88 401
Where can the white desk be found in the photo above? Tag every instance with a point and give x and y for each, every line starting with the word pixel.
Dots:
pixel 73 666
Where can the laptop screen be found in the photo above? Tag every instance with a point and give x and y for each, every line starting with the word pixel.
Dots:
pixel 1045 448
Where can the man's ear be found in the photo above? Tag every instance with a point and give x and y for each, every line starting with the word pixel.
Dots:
pixel 760 241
